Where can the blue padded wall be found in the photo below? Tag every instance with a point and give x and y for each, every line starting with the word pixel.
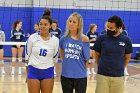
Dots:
pixel 31 15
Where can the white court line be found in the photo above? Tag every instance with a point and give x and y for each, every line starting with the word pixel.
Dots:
pixel 24 43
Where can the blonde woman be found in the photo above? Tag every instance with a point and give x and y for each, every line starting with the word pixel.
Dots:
pixel 17 35
pixel 75 54
pixel 92 35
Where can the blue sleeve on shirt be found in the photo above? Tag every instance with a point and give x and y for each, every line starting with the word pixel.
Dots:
pixel 86 50
pixel 129 48
pixel 61 41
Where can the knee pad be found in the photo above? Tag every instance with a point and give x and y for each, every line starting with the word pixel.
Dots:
pixel 13 59
pixel 93 60
pixel 90 61
pixel 1 62
pixel 20 59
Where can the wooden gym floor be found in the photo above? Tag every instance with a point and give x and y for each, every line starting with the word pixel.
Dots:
pixel 16 83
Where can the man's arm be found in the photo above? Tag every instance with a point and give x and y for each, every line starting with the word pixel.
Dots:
pixel 97 57
pixel 127 59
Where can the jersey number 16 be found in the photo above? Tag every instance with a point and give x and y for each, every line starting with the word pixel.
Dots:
pixel 43 52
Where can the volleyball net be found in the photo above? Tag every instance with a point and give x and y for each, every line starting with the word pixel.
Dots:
pixel 24 43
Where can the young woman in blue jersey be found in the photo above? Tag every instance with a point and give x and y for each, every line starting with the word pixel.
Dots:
pixel 41 53
pixel 36 27
pixel 104 31
pixel 17 35
pixel 123 30
pixel 92 35
pixel 113 52
pixel 2 39
pixel 55 30
pixel 75 54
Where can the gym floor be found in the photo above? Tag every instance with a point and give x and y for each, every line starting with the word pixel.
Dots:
pixel 16 83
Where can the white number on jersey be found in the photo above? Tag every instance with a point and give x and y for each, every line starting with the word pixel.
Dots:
pixel 17 37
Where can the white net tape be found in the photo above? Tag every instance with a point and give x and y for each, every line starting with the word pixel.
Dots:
pixel 12 43
pixel 24 43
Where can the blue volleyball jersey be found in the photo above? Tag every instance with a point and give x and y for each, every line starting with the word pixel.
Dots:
pixel 17 36
pixel 56 32
pixel 103 32
pixel 76 53
pixel 125 33
pixel 92 35
pixel 112 51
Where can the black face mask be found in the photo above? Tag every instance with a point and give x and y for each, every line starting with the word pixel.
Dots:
pixel 111 33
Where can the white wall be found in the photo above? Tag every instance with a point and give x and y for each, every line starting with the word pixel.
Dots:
pixel 16 3
pixel 130 5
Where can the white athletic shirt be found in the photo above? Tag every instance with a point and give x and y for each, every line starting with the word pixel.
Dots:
pixel 41 54
pixel 2 36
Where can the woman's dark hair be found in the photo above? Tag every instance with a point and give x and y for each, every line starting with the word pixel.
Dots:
pixel 15 24
pixel 55 21
pixel 47 18
pixel 47 12
pixel 117 20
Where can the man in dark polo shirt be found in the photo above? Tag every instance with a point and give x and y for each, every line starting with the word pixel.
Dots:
pixel 113 52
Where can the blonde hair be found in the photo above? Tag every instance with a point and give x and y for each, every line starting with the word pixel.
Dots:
pixel 80 25
pixel 106 25
pixel 91 27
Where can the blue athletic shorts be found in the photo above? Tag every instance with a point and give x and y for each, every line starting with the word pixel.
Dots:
pixel 40 74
